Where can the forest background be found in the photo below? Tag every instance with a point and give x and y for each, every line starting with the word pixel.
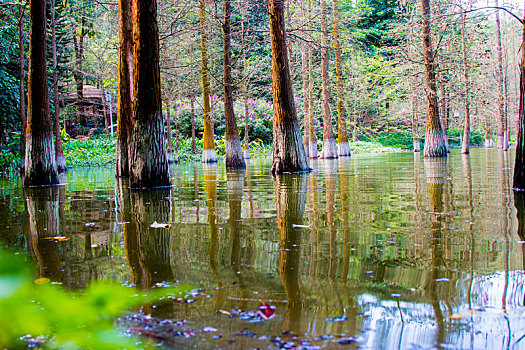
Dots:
pixel 382 62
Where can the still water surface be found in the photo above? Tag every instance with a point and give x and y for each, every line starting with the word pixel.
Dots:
pixel 395 250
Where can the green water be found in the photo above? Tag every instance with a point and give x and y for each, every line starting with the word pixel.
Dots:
pixel 414 253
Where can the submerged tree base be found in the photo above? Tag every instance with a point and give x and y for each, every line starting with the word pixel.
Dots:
pixel 40 164
pixel 489 143
pixel 435 144
pixel 234 153
pixel 209 155
pixel 246 153
pixel 417 145
pixel 329 149
pixel 312 150
pixel 61 163
pixel 343 149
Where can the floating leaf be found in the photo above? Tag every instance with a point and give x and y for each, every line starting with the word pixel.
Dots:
pixel 42 280
pixel 461 315
pixel 301 226
pixel 157 225
pixel 57 238
pixel 266 311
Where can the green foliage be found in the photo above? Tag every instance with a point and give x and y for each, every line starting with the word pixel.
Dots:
pixel 368 147
pixel 62 319
pixel 398 139
pixel 96 151
pixel 477 137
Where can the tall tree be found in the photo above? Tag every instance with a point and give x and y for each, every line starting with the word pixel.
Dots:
pixel 312 137
pixel 246 148
pixel 22 90
pixel 169 148
pixel 435 144
pixel 502 122
pixel 59 152
pixel 304 68
pixel 329 145
pixel 125 89
pixel 234 154
pixel 343 149
pixel 78 74
pixel 288 149
pixel 208 152
pixel 148 156
pixel 40 164
pixel 466 127
pixel 519 162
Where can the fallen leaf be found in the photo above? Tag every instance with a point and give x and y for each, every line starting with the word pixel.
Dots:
pixel 157 225
pixel 58 238
pixel 42 280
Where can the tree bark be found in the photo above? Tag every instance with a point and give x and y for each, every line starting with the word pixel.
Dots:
pixel 500 135
pixel 78 74
pixel 343 149
pixel 193 142
pixel 40 167
pixel 312 137
pixel 466 128
pixel 288 150
pixel 149 159
pixel 22 90
pixel 519 163
pixel 435 145
pixel 246 149
pixel 208 152
pixel 59 152
pixel 329 144
pixel 234 154
pixel 125 89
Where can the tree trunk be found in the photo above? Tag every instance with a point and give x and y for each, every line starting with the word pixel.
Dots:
pixel 500 135
pixel 343 149
pixel 193 142
pixel 519 163
pixel 234 154
pixel 125 89
pixel 148 157
pixel 59 152
pixel 245 88
pixel 169 149
pixel 466 131
pixel 208 150
pixel 22 90
pixel 329 145
pixel 78 74
pixel 312 137
pixel 304 66
pixel 443 102
pixel 435 144
pixel 40 167
pixel 288 150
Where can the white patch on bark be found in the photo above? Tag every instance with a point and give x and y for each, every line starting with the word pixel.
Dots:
pixel 435 144
pixel 209 155
pixel 500 142
pixel 312 150
pixel 329 149
pixel 234 154
pixel 61 163
pixel 489 143
pixel 417 145
pixel 246 153
pixel 171 160
pixel 343 149
pixel 40 162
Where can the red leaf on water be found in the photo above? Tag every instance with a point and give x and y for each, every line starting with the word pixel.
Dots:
pixel 266 311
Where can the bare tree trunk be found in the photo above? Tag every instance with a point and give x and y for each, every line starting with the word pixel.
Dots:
pixel 304 66
pixel 78 74
pixel 329 144
pixel 148 157
pixel 343 149
pixel 519 163
pixel 59 152
pixel 443 101
pixel 435 145
pixel 234 154
pixel 466 131
pixel 245 94
pixel 288 150
pixel 193 143
pixel 415 137
pixel 500 136
pixel 209 154
pixel 125 89
pixel 22 90
pixel 169 149
pixel 312 137
pixel 40 167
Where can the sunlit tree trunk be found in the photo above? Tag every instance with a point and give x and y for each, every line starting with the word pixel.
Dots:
pixel 22 90
pixel 466 127
pixel 209 155
pixel 148 156
pixel 78 74
pixel 415 125
pixel 312 137
pixel 500 135
pixel 169 148
pixel 443 101
pixel 329 144
pixel 288 150
pixel 435 145
pixel 234 154
pixel 59 152
pixel 290 199
pixel 125 89
pixel 40 167
pixel 519 162
pixel 246 148
pixel 343 149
